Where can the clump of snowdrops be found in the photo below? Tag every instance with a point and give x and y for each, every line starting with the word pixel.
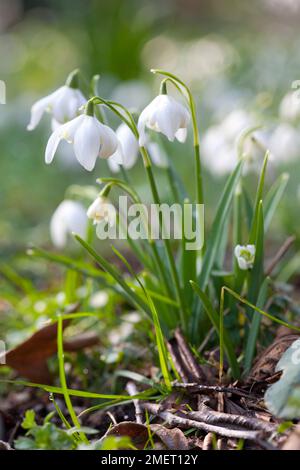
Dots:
pixel 201 291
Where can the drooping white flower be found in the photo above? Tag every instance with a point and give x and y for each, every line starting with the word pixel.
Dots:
pixel 166 115
pixel 102 211
pixel 127 152
pixel 245 255
pixel 89 137
pixel 70 216
pixel 63 104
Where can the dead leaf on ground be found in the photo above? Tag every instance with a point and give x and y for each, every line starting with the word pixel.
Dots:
pixel 293 441
pixel 138 433
pixel 29 358
pixel 173 439
pixel 265 364
pixel 164 438
pixel 5 446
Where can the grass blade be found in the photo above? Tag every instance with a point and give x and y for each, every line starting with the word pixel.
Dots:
pixel 214 318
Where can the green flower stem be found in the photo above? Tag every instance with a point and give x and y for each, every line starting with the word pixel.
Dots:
pixel 156 198
pixel 63 381
pixel 153 247
pixel 127 117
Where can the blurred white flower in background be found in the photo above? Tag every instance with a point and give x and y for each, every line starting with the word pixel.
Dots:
pixel 166 115
pixel 245 255
pixel 125 329
pixel 285 143
pixel 99 299
pixel 219 143
pixel 89 137
pixel 70 216
pixel 198 60
pixel 157 154
pixel 63 104
pixel 289 108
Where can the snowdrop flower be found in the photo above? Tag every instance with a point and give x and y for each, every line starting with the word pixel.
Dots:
pixel 127 152
pixel 70 216
pixel 63 104
pixel 101 210
pixel 166 115
pixel 245 255
pixel 90 139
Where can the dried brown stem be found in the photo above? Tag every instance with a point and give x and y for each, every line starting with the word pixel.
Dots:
pixel 210 416
pixel 280 254
pixel 174 420
pixel 210 389
pixel 132 390
pixel 208 441
pixel 188 357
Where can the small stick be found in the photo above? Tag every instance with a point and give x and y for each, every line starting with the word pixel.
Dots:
pixel 132 390
pixel 209 389
pixel 112 418
pixel 208 441
pixel 188 357
pixel 280 254
pixel 210 416
pixel 177 359
pixel 185 423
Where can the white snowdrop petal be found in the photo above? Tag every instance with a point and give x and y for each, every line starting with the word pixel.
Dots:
pixel 242 263
pixel 181 135
pixel 38 110
pixel 113 165
pixel 109 142
pixel 52 145
pixel 87 143
pixel 129 146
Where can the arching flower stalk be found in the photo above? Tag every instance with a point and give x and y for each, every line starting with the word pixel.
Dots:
pixel 185 91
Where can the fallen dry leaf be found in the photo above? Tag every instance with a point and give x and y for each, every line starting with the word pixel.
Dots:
pixel 29 358
pixel 164 438
pixel 293 441
pixel 265 364
pixel 138 433
pixel 173 439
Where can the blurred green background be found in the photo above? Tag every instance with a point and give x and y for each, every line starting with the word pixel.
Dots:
pixel 234 55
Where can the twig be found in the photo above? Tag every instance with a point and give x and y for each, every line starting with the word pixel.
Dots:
pixel 210 416
pixel 188 357
pixel 132 390
pixel 185 423
pixel 177 359
pixel 208 441
pixel 112 418
pixel 210 389
pixel 280 254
